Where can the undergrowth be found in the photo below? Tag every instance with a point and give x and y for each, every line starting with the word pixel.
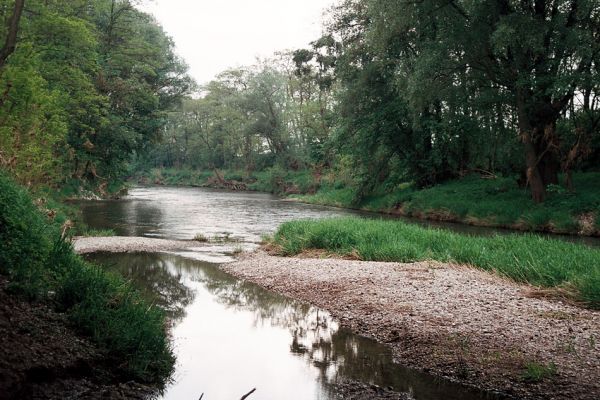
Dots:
pixel 42 266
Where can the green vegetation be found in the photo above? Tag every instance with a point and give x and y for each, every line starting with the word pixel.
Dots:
pixel 536 372
pixel 98 232
pixel 85 84
pixel 497 202
pixel 272 180
pixel 420 93
pixel 573 270
pixel 41 265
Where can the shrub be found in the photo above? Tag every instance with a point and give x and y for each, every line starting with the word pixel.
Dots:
pixel 38 260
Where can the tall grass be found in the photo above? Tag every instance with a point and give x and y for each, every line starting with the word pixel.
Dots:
pixel 42 266
pixel 525 258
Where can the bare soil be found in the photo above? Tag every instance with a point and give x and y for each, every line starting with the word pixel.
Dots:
pixel 42 357
pixel 453 321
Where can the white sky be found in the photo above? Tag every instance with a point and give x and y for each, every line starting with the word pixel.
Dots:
pixel 213 35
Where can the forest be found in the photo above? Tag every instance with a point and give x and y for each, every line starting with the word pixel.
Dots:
pixel 393 95
pixel 85 85
pixel 417 92
pixel 125 274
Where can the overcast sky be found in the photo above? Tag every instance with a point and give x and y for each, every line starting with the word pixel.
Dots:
pixel 213 35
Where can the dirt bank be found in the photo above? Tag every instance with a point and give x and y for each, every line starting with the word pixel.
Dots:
pixel 41 357
pixel 453 321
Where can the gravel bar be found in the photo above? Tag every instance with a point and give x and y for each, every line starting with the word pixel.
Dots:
pixel 123 244
pixel 453 321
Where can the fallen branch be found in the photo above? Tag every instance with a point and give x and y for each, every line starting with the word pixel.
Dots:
pixel 248 394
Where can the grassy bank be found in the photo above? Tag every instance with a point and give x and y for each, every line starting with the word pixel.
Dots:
pixel 570 269
pixel 496 202
pixel 42 266
pixel 274 180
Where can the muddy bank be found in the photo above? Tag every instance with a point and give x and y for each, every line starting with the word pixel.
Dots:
pixel 123 244
pixel 42 357
pixel 452 321
pixel 361 391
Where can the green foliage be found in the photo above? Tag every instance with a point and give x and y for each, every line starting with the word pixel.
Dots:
pixel 33 124
pixel 536 372
pixel 98 232
pixel 525 258
pixel 474 200
pixel 87 87
pixel 39 262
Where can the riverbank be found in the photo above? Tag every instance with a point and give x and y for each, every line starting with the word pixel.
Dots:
pixel 560 269
pixel 129 244
pixel 490 201
pixel 40 271
pixel 43 357
pixel 453 321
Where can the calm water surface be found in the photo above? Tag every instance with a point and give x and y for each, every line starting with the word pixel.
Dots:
pixel 183 212
pixel 231 336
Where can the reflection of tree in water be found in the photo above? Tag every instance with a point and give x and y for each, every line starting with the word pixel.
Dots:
pixel 336 352
pixel 159 278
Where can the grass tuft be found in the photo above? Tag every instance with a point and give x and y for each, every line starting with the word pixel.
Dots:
pixel 536 372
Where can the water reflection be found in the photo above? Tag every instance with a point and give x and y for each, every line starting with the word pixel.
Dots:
pixel 231 336
pixel 181 213
pixel 160 280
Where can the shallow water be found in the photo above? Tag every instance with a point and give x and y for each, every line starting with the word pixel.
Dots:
pixel 231 336
pixel 184 212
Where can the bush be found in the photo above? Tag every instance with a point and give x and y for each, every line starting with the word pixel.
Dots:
pixel 38 261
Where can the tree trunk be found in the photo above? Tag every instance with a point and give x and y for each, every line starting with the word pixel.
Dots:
pixel 13 29
pixel 534 178
pixel 538 134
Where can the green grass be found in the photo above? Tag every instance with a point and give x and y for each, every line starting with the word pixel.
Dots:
pixel 491 202
pixel 87 232
pixel 547 263
pixel 536 372
pixel 42 266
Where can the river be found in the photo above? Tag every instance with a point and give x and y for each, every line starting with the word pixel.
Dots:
pixel 230 336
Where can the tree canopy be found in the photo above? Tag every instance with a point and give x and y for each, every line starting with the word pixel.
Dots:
pixel 85 84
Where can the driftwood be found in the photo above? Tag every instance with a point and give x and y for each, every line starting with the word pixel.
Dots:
pixel 244 397
pixel 248 394
pixel 219 182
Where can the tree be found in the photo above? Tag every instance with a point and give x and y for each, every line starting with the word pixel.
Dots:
pixel 12 31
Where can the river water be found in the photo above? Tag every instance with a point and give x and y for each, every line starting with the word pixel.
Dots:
pixel 230 336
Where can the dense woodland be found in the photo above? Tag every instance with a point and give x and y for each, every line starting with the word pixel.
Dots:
pixel 394 92
pixel 84 85
pixel 411 91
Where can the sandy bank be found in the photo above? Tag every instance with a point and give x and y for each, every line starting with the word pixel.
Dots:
pixel 453 321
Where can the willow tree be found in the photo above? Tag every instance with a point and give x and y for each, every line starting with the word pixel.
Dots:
pixel 535 56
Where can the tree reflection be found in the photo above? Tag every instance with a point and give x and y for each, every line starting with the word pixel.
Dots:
pixel 337 354
pixel 160 278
